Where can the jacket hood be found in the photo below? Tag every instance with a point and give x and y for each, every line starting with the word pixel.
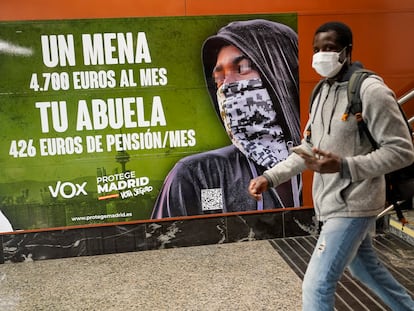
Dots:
pixel 273 49
pixel 351 69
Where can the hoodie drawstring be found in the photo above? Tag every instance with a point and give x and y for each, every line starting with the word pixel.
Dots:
pixel 333 109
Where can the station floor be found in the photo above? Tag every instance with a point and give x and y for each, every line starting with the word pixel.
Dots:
pixel 239 276
pixel 254 275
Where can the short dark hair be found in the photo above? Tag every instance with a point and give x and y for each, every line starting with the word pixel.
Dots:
pixel 343 31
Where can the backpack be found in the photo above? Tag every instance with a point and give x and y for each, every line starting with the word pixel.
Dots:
pixel 399 183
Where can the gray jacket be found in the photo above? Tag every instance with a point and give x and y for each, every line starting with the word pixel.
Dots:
pixel 359 189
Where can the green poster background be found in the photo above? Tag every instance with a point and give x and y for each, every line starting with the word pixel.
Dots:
pixel 44 187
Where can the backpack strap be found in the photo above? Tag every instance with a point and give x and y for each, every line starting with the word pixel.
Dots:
pixel 354 93
pixel 355 103
pixel 315 91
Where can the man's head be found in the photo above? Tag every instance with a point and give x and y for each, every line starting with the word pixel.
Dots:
pixel 332 47
pixel 342 33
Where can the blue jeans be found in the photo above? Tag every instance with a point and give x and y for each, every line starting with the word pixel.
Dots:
pixel 348 242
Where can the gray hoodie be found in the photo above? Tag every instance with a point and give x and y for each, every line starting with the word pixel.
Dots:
pixel 359 189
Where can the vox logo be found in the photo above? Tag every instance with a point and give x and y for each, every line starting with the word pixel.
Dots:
pixel 67 189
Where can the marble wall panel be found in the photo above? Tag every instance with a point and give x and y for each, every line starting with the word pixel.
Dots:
pixel 99 240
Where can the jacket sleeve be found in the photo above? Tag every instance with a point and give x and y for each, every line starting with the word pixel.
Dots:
pixel 388 128
pixel 285 170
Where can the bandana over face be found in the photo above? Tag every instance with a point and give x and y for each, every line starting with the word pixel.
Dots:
pixel 250 120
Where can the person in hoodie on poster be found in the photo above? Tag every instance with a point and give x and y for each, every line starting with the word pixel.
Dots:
pixel 251 71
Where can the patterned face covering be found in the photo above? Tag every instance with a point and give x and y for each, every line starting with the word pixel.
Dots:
pixel 250 120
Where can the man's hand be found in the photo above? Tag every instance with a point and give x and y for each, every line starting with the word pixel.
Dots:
pixel 322 162
pixel 257 186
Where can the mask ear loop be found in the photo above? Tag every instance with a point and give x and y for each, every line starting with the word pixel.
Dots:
pixel 347 55
pixel 339 55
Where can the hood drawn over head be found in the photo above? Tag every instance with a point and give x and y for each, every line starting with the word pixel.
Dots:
pixel 273 49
